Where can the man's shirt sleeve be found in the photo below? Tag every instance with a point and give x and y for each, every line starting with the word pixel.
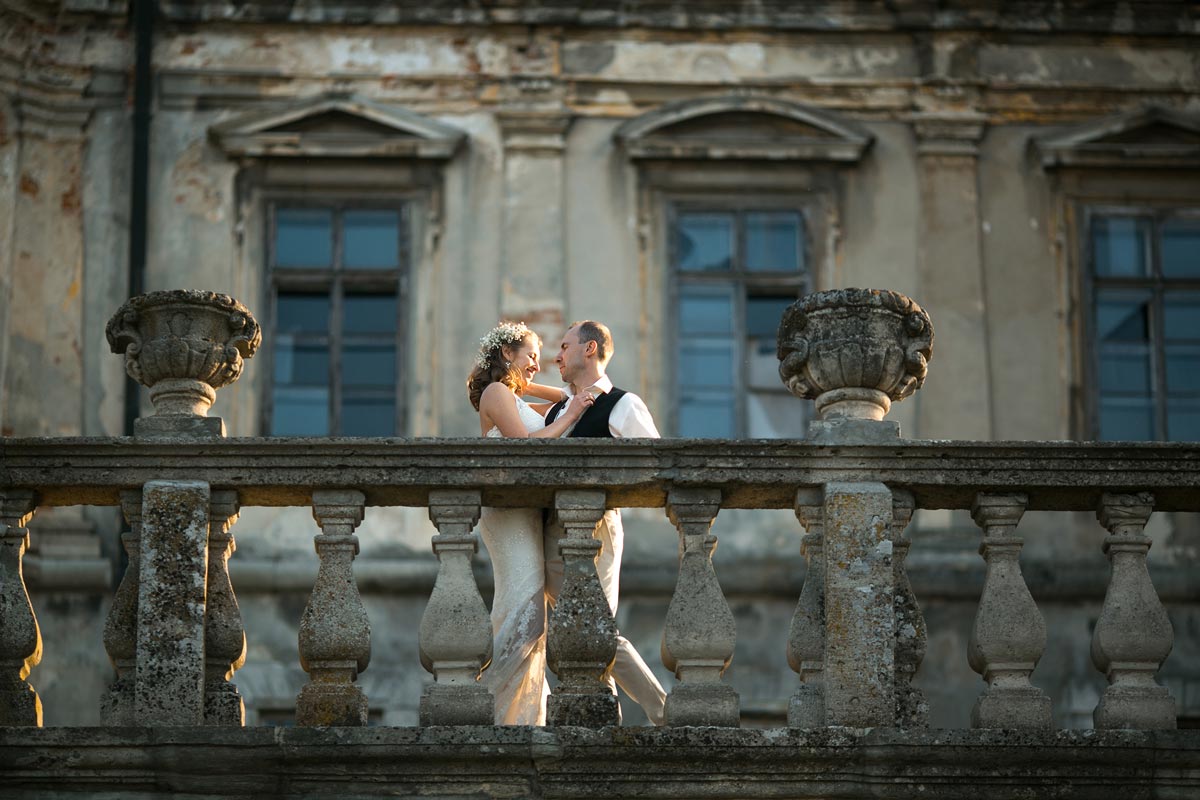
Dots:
pixel 630 419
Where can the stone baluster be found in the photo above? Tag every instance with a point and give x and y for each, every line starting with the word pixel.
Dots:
pixel 168 687
pixel 860 646
pixel 582 634
pixel 20 638
pixel 456 630
pixel 335 634
pixel 699 635
pixel 806 637
pixel 1009 634
pixel 224 633
pixel 911 709
pixel 1133 635
pixel 120 629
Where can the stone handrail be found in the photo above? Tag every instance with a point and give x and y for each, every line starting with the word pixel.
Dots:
pixel 857 639
pixel 834 489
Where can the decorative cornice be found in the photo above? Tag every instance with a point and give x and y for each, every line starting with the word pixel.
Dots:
pixel 948 134
pixel 1129 139
pixel 1152 19
pixel 821 136
pixel 394 132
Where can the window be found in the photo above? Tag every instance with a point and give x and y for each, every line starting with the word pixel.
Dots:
pixel 337 279
pixel 735 270
pixel 1144 267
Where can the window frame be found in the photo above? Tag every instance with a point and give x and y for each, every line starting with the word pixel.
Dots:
pixel 779 284
pixel 336 282
pixel 1157 212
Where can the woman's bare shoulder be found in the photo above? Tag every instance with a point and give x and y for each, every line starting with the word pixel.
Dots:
pixel 495 393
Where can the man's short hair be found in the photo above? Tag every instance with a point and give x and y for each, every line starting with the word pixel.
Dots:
pixel 591 331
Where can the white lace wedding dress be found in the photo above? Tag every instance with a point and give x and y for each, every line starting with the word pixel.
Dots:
pixel 513 537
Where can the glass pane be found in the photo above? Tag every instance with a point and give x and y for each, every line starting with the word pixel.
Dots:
pixel 300 411
pixel 1119 246
pixel 775 415
pixel 763 315
pixel 705 309
pixel 301 363
pixel 774 241
pixel 1183 369
pixel 1122 316
pixel 1181 248
pixel 1181 316
pixel 368 416
pixel 1183 421
pixel 302 313
pixel 303 237
pixel 369 314
pixel 1125 370
pixel 1126 419
pixel 706 413
pixel 371 239
pixel 369 365
pixel 763 367
pixel 705 242
pixel 706 362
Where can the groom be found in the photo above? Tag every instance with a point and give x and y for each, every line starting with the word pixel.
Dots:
pixel 582 356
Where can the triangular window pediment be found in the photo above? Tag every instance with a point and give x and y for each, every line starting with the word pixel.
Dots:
pixel 744 128
pixel 336 127
pixel 1148 137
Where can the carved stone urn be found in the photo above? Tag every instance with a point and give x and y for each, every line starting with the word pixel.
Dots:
pixel 183 345
pixel 854 351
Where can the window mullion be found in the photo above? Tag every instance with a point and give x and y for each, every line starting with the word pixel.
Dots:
pixel 742 376
pixel 1158 357
pixel 336 327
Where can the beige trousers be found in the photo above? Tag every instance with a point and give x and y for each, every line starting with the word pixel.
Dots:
pixel 631 672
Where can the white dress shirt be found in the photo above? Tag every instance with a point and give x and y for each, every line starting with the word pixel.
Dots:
pixel 630 419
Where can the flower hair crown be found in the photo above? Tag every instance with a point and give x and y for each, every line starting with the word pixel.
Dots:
pixel 506 333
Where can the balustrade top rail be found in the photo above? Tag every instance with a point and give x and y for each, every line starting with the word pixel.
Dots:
pixel 755 473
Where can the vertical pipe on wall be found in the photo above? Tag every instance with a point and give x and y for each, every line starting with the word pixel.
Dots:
pixel 143 12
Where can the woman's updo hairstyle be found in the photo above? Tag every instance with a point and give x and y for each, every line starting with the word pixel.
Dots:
pixel 490 364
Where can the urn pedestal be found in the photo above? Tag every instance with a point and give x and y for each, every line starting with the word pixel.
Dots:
pixel 183 345
pixel 854 352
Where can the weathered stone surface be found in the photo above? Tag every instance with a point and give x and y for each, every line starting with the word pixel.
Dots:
pixel 1133 635
pixel 183 345
pixel 699 633
pixel 859 665
pixel 1055 476
pixel 912 711
pixel 335 634
pixel 854 351
pixel 581 635
pixel 169 677
pixel 456 631
pixel 20 638
pixel 1009 634
pixel 120 629
pixel 522 762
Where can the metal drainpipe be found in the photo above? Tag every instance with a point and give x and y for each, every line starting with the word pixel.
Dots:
pixel 143 95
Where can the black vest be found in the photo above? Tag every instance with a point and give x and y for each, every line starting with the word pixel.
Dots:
pixel 594 422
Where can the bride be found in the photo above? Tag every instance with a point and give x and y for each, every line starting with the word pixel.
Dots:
pixel 504 370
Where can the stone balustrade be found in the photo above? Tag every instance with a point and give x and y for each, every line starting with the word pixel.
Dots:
pixel 175 635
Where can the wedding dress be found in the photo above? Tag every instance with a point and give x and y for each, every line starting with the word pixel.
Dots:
pixel 513 537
